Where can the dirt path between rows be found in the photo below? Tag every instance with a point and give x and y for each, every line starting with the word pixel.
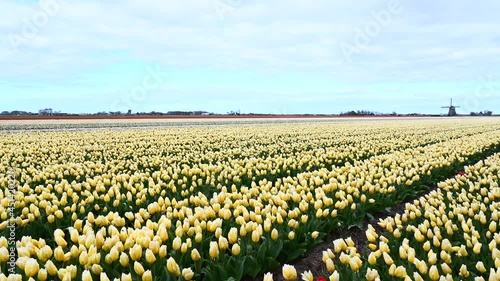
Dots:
pixel 313 259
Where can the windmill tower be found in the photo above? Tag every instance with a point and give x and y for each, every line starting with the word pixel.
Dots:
pixel 451 109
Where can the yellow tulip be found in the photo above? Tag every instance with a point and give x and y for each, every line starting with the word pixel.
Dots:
pixel 339 245
pixel 274 234
pixel 163 251
pixel 387 259
pixel 31 268
pixel 480 267
pixel 493 226
pixel 330 265
pixel 255 236
pixel 289 272
pixel 4 255
pixel 464 272
pixel 187 273
pixel 147 276
pixel 150 257
pixel 400 272
pixel 446 269
pixel 59 254
pixel 138 268
pixel 335 276
pixel 124 260
pixel 173 267
pixel 136 252
pixel 42 274
pixel 434 273
pixel 45 253
pixel 214 250
pixel 372 274
pixel 233 235
pixel 477 248
pixel 392 270
pixel 195 255
pixel 427 246
pixel 422 267
pixel 223 243
pixel 403 254
pixel 176 245
pixel 51 268
pixel 355 263
pixel 432 258
pixel 268 277
pixel 307 276
pixel 126 277
pixel 103 277
pixel 371 236
pixel 96 269
pixel 417 277
pixel 86 276
pixel 236 250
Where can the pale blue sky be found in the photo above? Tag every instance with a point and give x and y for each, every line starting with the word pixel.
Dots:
pixel 274 56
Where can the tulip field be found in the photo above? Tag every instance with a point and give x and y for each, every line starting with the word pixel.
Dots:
pixel 245 202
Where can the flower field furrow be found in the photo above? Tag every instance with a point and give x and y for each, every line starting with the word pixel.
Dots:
pixel 211 203
pixel 450 234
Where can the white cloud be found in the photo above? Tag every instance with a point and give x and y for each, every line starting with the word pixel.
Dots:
pixel 424 42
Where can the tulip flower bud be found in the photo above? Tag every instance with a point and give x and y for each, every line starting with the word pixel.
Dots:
pixel 372 275
pixel 96 269
pixel 150 257
pixel 42 275
pixel 31 268
pixel 434 273
pixel 268 277
pixel 103 277
pixel 233 235
pixel 86 276
pixel 187 273
pixel 147 276
pixel 274 234
pixel 214 250
pixel 136 252
pixel 335 276
pixel 176 245
pixel 195 255
pixel 138 268
pixel 480 267
pixel 289 272
pixel 173 267
pixel 124 260
pixel 154 246
pixel 51 268
pixel 255 236
pixel 330 266
pixel 236 250
pixel 387 259
pixel 126 277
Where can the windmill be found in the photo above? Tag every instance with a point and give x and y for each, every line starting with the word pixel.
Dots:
pixel 451 108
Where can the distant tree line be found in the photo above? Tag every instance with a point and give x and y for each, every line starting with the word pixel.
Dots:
pixel 366 113
pixel 51 112
pixel 482 113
